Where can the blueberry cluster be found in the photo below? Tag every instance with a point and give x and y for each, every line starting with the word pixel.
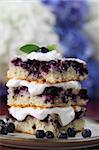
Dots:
pixel 42 134
pixel 71 132
pixel 36 67
pixel 52 93
pixel 17 90
pixel 6 127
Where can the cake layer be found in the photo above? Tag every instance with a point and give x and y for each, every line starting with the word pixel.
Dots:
pixel 23 93
pixel 21 113
pixel 35 88
pixel 71 113
pixel 21 97
pixel 51 123
pixel 52 71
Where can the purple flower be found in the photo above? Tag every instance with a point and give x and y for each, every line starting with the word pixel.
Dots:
pixel 69 12
pixel 3 90
pixel 92 82
pixel 50 2
pixel 76 44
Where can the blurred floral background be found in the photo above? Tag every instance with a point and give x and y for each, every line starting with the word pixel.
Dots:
pixel 71 24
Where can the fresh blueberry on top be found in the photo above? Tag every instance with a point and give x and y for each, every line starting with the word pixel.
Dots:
pixel 40 134
pixel 62 135
pixel 86 133
pixel 10 126
pixel 71 132
pixel 49 134
pixel 43 50
pixel 2 122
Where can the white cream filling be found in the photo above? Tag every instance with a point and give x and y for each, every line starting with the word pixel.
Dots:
pixel 52 55
pixel 35 88
pixel 66 114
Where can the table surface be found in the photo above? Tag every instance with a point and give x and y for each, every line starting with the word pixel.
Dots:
pixel 9 148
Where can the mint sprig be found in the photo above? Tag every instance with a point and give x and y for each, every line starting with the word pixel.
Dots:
pixel 51 47
pixel 28 48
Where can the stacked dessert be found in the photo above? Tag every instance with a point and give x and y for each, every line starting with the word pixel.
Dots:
pixel 44 93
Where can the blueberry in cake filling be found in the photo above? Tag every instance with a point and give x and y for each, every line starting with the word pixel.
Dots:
pixel 83 94
pixel 19 90
pixel 51 67
pixel 81 113
pixel 50 95
pixel 43 66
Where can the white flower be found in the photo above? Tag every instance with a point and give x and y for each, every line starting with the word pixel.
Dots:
pixel 24 22
pixel 92 26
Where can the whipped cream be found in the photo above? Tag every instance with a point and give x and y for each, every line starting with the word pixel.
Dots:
pixel 66 114
pixel 52 55
pixel 76 59
pixel 35 88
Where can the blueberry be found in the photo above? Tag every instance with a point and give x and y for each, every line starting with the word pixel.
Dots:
pixel 43 50
pixel 16 91
pixel 10 126
pixel 83 94
pixel 58 124
pixel 79 114
pixel 64 66
pixel 40 134
pixel 71 132
pixel 49 134
pixel 74 97
pixel 62 135
pixel 3 130
pixel 86 133
pixel 23 88
pixel 34 127
pixel 45 67
pixel 2 122
pixel 17 61
pixel 49 99
pixel 52 63
pixel 64 99
pixel 52 91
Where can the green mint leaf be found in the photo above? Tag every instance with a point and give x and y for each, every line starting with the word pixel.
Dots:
pixel 51 47
pixel 29 48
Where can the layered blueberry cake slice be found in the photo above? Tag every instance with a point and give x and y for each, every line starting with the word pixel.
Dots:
pixel 29 119
pixel 44 94
pixel 25 94
pixel 49 67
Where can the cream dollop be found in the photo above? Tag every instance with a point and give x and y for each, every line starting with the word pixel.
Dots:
pixel 35 88
pixel 52 55
pixel 66 114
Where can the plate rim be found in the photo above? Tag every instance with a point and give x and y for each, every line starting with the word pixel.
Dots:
pixel 48 143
